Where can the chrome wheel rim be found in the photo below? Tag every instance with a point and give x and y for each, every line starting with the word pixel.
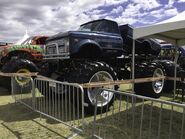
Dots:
pixel 104 97
pixel 158 85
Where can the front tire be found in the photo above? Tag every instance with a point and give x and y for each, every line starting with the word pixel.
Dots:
pixel 89 72
pixel 18 66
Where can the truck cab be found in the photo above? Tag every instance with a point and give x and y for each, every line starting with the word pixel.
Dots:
pixel 99 38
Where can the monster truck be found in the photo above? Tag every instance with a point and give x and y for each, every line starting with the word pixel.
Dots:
pixel 31 49
pixel 101 51
pixel 166 58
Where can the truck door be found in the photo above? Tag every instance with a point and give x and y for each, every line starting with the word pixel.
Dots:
pixel 109 37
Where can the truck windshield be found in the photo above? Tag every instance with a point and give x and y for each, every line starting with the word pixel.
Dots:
pixel 100 26
pixel 93 26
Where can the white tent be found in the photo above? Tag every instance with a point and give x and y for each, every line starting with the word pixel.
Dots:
pixel 173 32
pixel 178 17
pixel 24 38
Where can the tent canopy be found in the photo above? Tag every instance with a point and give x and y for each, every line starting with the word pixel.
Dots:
pixel 170 31
pixel 173 32
pixel 24 38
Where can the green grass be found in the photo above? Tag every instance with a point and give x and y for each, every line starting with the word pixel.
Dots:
pixel 16 121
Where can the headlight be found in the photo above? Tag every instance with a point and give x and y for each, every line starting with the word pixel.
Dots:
pixel 58 47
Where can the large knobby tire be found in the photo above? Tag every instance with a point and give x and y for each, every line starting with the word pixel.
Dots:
pixel 88 72
pixel 169 67
pixel 18 66
pixel 151 89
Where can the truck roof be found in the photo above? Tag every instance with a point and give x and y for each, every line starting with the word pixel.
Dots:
pixel 98 20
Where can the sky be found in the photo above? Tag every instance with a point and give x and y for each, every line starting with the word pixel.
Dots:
pixel 48 17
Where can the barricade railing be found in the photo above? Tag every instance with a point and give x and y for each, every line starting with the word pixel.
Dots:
pixel 22 89
pixel 132 116
pixel 129 116
pixel 61 101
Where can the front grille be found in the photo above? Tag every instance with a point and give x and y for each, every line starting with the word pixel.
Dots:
pixel 54 51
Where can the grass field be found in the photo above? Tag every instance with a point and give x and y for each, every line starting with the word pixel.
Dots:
pixel 18 122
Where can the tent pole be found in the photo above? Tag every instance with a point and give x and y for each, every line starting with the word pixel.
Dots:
pixel 175 70
pixel 133 64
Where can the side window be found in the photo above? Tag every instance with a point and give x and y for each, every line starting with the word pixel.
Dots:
pixel 113 27
pixel 109 27
pixel 104 27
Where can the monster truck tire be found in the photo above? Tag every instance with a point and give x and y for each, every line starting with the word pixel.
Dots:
pixel 169 69
pixel 94 72
pixel 18 65
pixel 155 88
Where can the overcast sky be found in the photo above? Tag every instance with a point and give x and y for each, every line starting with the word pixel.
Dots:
pixel 48 17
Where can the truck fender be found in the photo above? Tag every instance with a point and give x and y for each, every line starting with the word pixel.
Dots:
pixel 84 43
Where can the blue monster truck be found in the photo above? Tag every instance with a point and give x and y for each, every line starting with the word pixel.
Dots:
pixel 100 50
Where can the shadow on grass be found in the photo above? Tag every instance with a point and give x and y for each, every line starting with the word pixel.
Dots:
pixel 15 112
pixel 4 92
pixel 17 134
pixel 12 112
pixel 127 125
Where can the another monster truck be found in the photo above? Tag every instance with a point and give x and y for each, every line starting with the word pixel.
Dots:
pixel 166 58
pixel 31 49
pixel 23 58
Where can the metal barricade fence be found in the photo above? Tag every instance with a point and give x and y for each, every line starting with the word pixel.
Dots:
pixel 61 101
pixel 137 117
pixel 130 116
pixel 22 91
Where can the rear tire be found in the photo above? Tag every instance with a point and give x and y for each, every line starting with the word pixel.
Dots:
pixel 155 88
pixel 169 70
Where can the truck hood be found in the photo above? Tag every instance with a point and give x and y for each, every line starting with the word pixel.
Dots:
pixel 66 34
pixel 59 35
